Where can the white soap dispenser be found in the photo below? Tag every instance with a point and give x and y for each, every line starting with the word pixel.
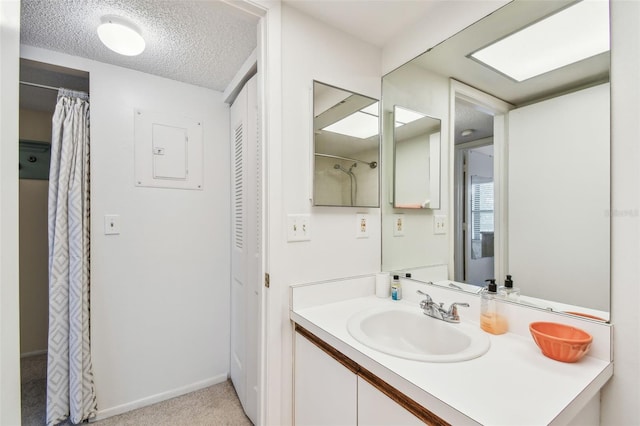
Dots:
pixel 508 291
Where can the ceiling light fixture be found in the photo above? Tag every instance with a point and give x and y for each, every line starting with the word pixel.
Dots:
pixel 467 132
pixel 405 116
pixel 575 33
pixel 120 36
pixel 362 124
pixel 358 125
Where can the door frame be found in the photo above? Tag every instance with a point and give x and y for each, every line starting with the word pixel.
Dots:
pixel 460 198
pixel 10 411
pixel 499 110
pixel 268 99
pixel 273 299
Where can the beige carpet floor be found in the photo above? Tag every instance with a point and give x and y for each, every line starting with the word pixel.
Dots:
pixel 215 405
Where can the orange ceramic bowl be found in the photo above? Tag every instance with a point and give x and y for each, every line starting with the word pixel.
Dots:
pixel 561 342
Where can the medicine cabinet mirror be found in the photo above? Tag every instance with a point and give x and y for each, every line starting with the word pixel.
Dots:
pixel 416 165
pixel 525 182
pixel 346 148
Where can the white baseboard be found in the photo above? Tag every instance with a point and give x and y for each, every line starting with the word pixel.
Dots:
pixel 143 402
pixel 33 353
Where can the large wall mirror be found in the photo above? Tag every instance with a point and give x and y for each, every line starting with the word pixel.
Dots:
pixel 416 159
pixel 525 155
pixel 346 148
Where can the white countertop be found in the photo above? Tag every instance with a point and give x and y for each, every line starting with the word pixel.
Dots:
pixel 512 384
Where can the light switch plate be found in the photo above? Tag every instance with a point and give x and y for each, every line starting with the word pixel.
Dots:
pixel 439 224
pixel 362 225
pixel 298 227
pixel 111 224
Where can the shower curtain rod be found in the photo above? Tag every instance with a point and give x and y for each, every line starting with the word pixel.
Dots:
pixel 371 164
pixel 42 86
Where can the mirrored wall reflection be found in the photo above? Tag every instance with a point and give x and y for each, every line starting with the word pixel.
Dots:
pixel 408 238
pixel 416 144
pixel 346 148
pixel 528 176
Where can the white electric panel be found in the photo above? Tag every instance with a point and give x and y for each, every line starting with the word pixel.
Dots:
pixel 168 151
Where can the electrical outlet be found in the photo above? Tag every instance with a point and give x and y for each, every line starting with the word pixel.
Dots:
pixel 111 224
pixel 398 225
pixel 298 227
pixel 439 224
pixel 362 225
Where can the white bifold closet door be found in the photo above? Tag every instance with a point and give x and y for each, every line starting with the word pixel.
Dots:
pixel 245 247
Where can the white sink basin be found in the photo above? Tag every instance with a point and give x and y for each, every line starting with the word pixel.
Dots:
pixel 404 331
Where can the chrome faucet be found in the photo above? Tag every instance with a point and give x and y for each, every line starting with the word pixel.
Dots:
pixel 437 310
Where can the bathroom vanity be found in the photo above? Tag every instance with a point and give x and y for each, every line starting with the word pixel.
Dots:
pixel 338 380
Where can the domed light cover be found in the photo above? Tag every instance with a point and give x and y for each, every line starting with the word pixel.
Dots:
pixel 120 36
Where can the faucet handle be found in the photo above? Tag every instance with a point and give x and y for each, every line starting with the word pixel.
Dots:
pixel 426 296
pixel 427 300
pixel 453 310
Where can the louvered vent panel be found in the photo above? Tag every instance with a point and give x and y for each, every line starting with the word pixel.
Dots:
pixel 238 210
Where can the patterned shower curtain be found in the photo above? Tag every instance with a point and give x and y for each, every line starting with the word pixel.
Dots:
pixel 70 390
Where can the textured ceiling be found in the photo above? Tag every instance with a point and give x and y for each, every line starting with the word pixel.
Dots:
pixel 201 42
pixel 468 116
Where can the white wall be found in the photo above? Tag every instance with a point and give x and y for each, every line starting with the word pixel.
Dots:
pixel 559 215
pixel 312 50
pixel 444 20
pixel 620 397
pixel 419 90
pixel 160 289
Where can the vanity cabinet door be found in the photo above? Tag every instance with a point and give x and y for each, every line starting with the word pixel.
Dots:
pixel 375 408
pixel 325 391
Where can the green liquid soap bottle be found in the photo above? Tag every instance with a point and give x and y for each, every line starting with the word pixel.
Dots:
pixel 508 291
pixel 396 289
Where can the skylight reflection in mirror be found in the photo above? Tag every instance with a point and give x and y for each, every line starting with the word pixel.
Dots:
pixel 405 116
pixel 361 124
pixel 575 33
